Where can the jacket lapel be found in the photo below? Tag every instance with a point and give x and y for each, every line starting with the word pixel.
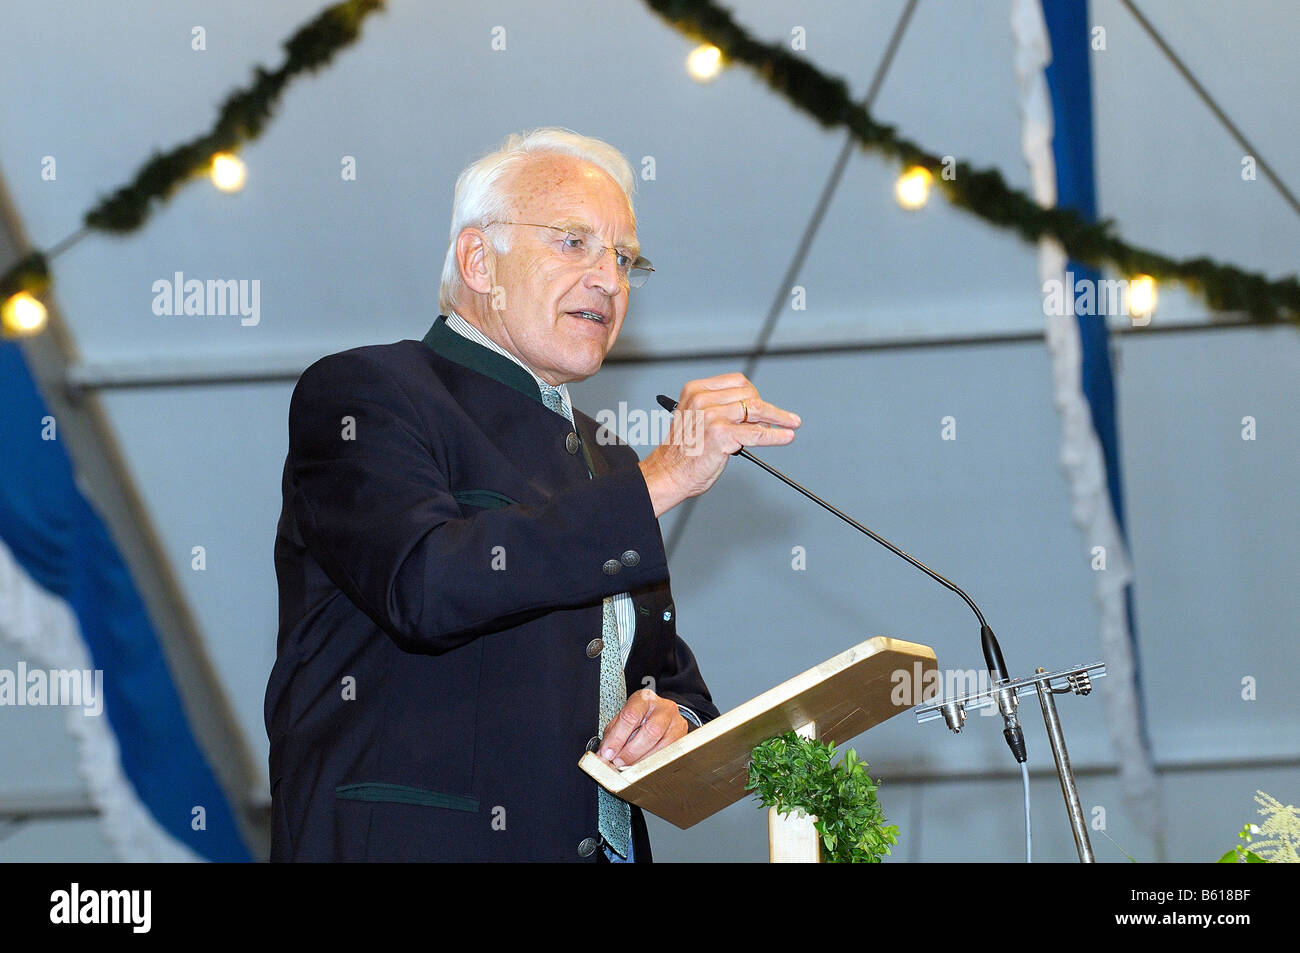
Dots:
pixel 594 440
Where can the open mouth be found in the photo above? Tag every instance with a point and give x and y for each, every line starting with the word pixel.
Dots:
pixel 590 316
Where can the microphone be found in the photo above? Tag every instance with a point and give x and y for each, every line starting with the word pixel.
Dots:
pixel 997 667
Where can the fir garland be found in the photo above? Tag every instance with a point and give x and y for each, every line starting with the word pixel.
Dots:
pixel 31 274
pixel 980 191
pixel 243 117
pixel 983 192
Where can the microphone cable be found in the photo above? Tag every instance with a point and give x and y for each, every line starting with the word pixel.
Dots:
pixel 1029 833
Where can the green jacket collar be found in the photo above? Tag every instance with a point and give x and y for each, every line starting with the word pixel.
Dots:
pixel 446 342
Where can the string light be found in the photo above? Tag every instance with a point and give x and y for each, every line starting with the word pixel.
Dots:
pixel 22 314
pixel 704 62
pixel 228 172
pixel 913 188
pixel 1141 298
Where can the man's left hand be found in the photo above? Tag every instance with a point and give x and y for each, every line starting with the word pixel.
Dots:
pixel 646 724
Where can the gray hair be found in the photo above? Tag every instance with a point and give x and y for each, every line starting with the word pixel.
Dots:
pixel 481 196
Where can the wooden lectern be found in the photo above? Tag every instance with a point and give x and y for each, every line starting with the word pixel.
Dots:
pixel 707 770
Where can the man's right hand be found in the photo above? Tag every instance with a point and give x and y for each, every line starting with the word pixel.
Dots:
pixel 715 417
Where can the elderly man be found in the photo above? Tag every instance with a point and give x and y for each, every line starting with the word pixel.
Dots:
pixel 473 586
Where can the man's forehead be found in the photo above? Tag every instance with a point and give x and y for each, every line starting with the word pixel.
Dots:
pixel 569 192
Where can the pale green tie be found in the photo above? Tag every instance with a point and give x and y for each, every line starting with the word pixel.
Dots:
pixel 615 814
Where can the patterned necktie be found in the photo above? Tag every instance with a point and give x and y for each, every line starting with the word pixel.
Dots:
pixel 552 399
pixel 615 814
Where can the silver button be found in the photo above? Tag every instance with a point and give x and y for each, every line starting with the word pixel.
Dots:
pixel 631 557
pixel 593 742
pixel 588 846
pixel 611 567
pixel 571 443
pixel 595 647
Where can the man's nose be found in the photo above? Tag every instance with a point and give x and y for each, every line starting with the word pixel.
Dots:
pixel 607 275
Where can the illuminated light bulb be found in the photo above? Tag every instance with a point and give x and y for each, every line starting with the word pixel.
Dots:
pixel 22 314
pixel 913 188
pixel 1141 299
pixel 228 172
pixel 705 62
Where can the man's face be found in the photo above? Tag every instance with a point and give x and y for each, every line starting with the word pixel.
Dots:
pixel 542 295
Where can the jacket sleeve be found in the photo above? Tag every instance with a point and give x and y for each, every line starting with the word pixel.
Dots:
pixel 373 503
pixel 683 684
pixel 662 660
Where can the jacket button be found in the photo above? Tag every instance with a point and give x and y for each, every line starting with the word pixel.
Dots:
pixel 595 647
pixel 593 742
pixel 631 557
pixel 571 443
pixel 611 567
pixel 668 616
pixel 588 846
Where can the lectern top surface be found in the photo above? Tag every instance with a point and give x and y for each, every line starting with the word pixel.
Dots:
pixel 705 771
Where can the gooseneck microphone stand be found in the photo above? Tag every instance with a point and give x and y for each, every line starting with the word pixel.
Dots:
pixel 1005 692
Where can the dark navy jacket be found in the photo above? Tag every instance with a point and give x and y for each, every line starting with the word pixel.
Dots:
pixel 442 554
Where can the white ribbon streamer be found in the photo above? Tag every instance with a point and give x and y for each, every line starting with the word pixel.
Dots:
pixel 1082 459
pixel 44 630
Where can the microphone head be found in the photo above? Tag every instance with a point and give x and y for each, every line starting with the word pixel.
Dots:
pixel 993 654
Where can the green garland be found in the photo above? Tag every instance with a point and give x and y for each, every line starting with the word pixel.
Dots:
pixel 31 274
pixel 980 191
pixel 983 192
pixel 242 118
pixel 789 772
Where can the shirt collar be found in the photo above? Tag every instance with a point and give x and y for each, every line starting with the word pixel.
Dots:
pixel 467 330
pixel 475 350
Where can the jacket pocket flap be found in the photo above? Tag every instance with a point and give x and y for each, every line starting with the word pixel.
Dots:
pixel 404 794
pixel 489 499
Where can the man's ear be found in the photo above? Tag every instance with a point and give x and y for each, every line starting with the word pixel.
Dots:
pixel 476 259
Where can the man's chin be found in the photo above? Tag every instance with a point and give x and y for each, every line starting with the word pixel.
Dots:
pixel 588 356
pixel 581 373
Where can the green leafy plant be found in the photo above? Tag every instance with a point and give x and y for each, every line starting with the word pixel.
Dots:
pixel 793 773
pixel 1239 853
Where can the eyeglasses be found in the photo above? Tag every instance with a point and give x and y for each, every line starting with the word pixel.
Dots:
pixel 584 250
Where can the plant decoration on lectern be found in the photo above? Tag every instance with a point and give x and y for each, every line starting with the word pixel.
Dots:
pixel 792 773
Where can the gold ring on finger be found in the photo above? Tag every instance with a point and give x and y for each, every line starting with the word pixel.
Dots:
pixel 745 408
